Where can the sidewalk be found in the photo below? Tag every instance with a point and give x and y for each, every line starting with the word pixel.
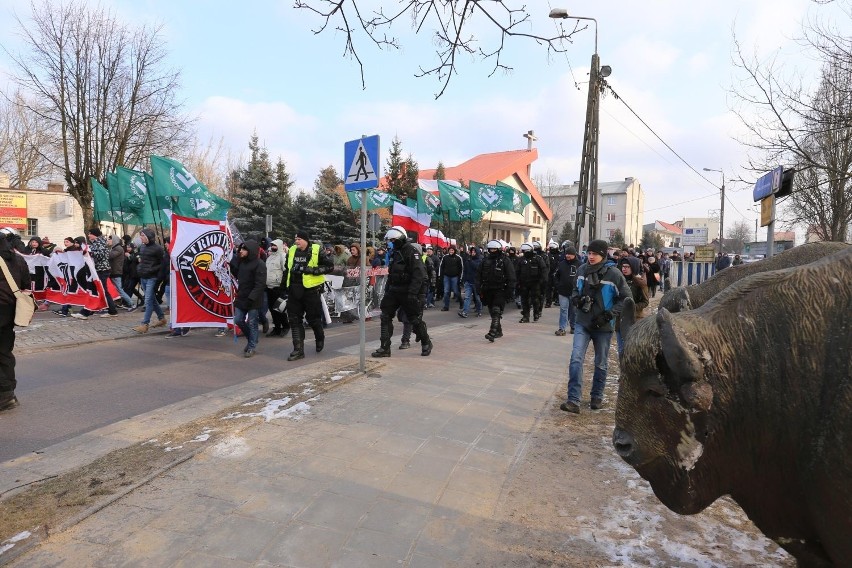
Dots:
pixel 49 330
pixel 386 469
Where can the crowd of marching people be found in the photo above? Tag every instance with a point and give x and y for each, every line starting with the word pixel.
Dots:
pixel 280 287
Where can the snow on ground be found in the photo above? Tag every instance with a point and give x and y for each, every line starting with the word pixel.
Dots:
pixel 10 543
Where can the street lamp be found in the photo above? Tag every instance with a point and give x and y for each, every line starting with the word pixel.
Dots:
pixel 721 210
pixel 589 161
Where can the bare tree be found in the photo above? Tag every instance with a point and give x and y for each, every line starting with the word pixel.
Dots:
pixel 808 127
pixel 551 190
pixel 210 162
pixel 738 235
pixel 450 20
pixel 103 89
pixel 25 141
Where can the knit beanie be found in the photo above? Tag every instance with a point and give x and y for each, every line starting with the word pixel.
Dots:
pixel 599 246
pixel 303 234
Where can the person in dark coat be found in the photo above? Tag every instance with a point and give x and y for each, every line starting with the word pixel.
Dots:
pixel 150 262
pixel 451 269
pixel 632 271
pixel 406 288
pixel 495 284
pixel 471 268
pixel 21 277
pixel 532 276
pixel 250 272
pixel 564 279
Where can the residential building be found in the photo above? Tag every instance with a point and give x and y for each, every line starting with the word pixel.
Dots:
pixel 39 212
pixel 512 168
pixel 621 205
pixel 670 233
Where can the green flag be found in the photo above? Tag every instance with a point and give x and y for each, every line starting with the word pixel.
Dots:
pixel 172 179
pixel 103 209
pixel 466 213
pixel 376 199
pixel 519 198
pixel 133 194
pixel 428 202
pixel 488 197
pixel 453 196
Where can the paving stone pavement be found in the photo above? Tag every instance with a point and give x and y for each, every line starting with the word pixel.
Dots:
pixel 398 468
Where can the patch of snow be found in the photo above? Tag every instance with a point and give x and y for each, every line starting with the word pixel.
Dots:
pixel 231 447
pixel 201 438
pixel 173 448
pixel 275 409
pixel 9 544
pixel 151 441
pixel 256 402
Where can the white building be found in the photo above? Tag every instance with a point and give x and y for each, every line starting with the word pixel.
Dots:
pixel 621 205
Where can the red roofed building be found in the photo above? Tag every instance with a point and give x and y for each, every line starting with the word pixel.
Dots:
pixel 512 168
pixel 669 232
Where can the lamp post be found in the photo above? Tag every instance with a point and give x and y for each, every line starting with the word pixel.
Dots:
pixel 721 210
pixel 588 190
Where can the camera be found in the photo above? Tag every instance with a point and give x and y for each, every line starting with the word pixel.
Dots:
pixel 585 304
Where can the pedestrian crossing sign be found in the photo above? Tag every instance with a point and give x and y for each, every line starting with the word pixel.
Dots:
pixel 361 158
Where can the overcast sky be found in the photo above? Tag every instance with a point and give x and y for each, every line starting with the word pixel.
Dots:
pixel 250 66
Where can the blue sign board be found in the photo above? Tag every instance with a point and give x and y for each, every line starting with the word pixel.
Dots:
pixel 360 163
pixel 768 184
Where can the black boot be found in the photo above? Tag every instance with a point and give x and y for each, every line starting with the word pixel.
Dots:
pixel 298 345
pixel 492 331
pixel 276 332
pixel 425 343
pixel 320 344
pixel 385 334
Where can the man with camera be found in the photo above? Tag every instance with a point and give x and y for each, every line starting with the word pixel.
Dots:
pixel 598 295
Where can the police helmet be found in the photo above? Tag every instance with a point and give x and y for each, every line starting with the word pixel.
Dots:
pixel 9 231
pixel 494 245
pixel 526 247
pixel 567 244
pixel 536 245
pixel 553 245
pixel 397 234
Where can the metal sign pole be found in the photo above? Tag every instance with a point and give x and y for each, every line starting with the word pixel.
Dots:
pixel 362 321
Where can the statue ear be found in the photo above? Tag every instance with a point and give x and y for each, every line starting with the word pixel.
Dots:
pixel 680 358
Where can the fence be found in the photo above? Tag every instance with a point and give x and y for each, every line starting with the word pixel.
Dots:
pixel 689 273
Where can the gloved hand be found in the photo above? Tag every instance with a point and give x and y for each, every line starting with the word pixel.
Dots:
pixel 413 300
pixel 297 269
pixel 601 320
pixel 314 270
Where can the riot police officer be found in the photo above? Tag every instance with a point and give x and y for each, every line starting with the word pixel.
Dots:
pixel 495 283
pixel 532 275
pixel 554 255
pixel 406 288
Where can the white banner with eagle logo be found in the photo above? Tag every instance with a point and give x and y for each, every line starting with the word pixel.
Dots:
pixel 202 290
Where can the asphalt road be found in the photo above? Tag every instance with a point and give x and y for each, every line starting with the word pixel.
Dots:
pixel 67 392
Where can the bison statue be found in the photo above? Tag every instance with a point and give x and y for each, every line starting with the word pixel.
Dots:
pixel 685 298
pixel 750 395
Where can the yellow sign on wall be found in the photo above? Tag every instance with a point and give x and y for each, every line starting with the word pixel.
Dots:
pixel 13 210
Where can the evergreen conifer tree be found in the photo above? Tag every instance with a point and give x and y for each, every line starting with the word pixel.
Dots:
pixel 440 172
pixel 329 218
pixel 282 213
pixel 256 193
pixel 394 170
pixel 567 233
pixel 410 173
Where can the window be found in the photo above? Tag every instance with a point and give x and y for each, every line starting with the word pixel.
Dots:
pixel 536 218
pixel 32 227
pixel 610 216
pixel 610 200
pixel 609 233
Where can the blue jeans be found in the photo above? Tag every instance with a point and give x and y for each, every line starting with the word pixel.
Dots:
pixel 451 284
pixel 470 292
pixel 246 320
pixel 116 281
pixel 582 337
pixel 149 285
pixel 567 315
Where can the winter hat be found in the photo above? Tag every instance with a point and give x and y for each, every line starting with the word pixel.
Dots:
pixel 303 234
pixel 571 250
pixel 599 246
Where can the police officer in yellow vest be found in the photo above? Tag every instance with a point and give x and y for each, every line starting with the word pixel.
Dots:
pixel 306 264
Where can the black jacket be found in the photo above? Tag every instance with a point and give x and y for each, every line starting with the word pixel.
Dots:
pixel 451 265
pixel 250 272
pixel 406 271
pixel 566 276
pixel 18 269
pixel 150 257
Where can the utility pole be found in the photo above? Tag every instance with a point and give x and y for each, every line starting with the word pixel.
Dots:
pixel 721 210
